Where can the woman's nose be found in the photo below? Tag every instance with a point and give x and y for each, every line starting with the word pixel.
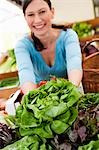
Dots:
pixel 37 18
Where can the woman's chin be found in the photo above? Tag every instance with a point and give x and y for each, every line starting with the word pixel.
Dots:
pixel 41 32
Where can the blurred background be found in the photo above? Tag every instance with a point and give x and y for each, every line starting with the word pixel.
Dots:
pixel 13 25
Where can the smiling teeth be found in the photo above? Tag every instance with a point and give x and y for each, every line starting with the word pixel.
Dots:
pixel 39 27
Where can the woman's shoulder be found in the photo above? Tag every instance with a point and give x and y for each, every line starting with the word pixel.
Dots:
pixel 25 39
pixel 63 34
pixel 68 31
pixel 24 44
pixel 68 35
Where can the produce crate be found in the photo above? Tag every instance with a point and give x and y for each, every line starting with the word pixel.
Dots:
pixel 94 23
pixel 6 92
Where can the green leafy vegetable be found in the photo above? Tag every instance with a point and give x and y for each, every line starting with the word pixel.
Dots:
pixel 44 113
pixel 93 145
pixel 9 82
pixel 83 29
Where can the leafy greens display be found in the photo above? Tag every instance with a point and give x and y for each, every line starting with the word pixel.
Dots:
pixel 46 111
pixel 56 116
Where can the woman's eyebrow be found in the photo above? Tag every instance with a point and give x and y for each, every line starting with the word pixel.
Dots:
pixel 28 12
pixel 42 9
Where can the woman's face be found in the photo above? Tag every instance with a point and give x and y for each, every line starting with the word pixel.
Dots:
pixel 39 16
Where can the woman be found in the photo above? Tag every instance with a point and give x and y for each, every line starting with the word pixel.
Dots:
pixel 46 51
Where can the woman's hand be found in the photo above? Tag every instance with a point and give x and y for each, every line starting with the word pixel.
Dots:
pixel 75 76
pixel 26 87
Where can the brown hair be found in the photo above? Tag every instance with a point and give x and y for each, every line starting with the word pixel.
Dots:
pixel 27 2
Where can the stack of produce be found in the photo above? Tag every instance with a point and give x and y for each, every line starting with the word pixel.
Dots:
pixel 8 62
pixel 83 134
pixel 56 116
pixel 7 135
pixel 83 29
pixel 45 112
pixel 88 118
pixel 9 82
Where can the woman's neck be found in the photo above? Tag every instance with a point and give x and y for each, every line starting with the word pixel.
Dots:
pixel 48 38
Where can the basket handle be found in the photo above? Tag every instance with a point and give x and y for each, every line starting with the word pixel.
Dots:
pixel 89 42
pixel 90 56
pixel 93 70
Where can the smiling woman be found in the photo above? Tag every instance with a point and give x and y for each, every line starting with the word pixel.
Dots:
pixel 46 51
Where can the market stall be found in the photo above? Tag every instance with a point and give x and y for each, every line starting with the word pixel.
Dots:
pixel 55 115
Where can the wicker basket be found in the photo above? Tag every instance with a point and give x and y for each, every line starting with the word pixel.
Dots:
pixel 90 70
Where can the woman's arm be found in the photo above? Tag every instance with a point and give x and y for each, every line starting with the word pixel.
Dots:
pixel 25 66
pixel 73 58
pixel 75 76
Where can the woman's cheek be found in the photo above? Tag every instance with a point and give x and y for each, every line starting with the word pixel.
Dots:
pixel 29 24
pixel 29 21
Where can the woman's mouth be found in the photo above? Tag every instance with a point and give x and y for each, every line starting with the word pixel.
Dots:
pixel 39 27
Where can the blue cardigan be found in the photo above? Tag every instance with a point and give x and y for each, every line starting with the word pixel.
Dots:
pixel 33 68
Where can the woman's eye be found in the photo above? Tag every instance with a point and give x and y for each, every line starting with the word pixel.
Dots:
pixel 30 15
pixel 42 12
